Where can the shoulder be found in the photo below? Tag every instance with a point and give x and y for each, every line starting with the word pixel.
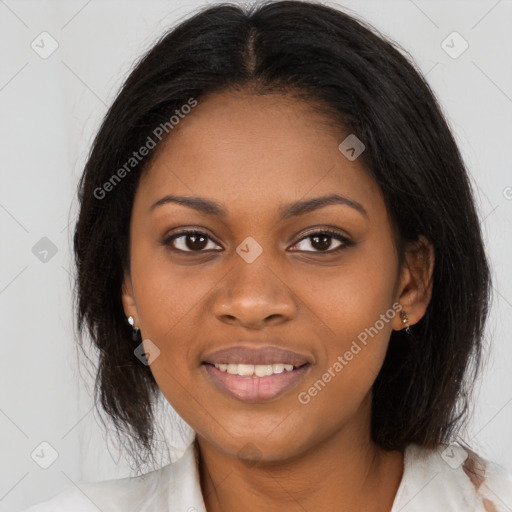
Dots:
pixel 451 477
pixel 145 492
pixel 173 487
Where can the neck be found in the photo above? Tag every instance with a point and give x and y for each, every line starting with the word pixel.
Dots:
pixel 346 472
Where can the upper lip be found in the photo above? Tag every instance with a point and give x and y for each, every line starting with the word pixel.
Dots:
pixel 262 355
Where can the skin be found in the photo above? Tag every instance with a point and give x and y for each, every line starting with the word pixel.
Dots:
pixel 253 154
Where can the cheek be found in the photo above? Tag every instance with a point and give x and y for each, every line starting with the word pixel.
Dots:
pixel 169 306
pixel 168 296
pixel 354 311
pixel 351 297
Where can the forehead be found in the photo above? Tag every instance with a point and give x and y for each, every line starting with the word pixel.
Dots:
pixel 256 150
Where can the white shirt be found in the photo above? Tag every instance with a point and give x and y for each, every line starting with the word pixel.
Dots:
pixel 432 481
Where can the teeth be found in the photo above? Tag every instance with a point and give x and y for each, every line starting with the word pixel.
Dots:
pixel 258 370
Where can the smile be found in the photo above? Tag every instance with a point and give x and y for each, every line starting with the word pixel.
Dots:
pixel 255 383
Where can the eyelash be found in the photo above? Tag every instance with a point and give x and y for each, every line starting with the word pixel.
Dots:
pixel 333 234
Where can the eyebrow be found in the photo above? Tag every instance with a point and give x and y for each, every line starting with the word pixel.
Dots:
pixel 209 207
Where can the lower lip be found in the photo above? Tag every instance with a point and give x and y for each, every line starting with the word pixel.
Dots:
pixel 256 389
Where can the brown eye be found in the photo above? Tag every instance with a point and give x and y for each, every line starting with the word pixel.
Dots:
pixel 321 241
pixel 189 241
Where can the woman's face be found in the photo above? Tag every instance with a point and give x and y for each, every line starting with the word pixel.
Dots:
pixel 260 278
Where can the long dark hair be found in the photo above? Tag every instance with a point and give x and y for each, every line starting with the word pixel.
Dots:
pixel 363 82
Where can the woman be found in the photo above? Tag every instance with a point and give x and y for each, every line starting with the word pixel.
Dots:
pixel 277 233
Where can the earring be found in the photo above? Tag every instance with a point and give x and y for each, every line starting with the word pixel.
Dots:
pixel 405 319
pixel 135 330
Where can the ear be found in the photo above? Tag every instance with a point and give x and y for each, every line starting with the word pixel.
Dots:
pixel 128 299
pixel 414 289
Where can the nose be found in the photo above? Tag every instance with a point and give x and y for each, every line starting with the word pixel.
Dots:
pixel 254 295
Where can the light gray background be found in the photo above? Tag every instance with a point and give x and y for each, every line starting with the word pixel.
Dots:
pixel 50 109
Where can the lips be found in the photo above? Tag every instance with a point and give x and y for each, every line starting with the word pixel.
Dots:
pixel 238 371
